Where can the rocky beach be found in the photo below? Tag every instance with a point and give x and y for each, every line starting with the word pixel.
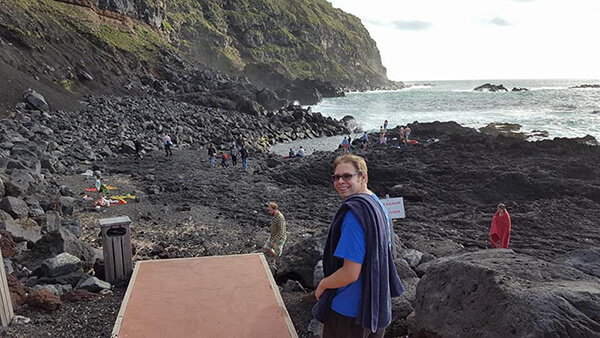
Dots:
pixel 185 208
pixel 81 81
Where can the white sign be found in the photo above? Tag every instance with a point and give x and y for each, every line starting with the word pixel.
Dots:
pixel 395 206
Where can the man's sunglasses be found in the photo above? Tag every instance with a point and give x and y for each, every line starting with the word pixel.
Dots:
pixel 346 177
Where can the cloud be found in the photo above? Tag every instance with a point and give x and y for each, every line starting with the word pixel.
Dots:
pixel 411 25
pixel 497 21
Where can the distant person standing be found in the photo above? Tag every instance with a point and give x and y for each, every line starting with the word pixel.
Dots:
pixel 345 144
pixel 301 152
pixel 98 184
pixel 212 154
pixel 401 134
pixel 224 158
pixel 274 245
pixel 241 142
pixel 385 124
pixel 168 145
pixel 233 151
pixel 500 230
pixel 407 135
pixel 244 155
pixel 364 140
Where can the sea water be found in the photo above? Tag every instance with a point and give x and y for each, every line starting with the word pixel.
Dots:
pixel 548 105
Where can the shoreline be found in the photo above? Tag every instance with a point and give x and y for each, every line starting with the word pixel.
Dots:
pixel 565 112
pixel 450 188
pixel 331 143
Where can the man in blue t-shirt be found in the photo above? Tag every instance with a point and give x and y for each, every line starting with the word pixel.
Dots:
pixel 350 178
pixel 352 246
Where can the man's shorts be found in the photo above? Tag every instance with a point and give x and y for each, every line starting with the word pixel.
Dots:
pixel 276 246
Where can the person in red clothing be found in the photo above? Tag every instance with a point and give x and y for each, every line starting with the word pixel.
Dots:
pixel 500 230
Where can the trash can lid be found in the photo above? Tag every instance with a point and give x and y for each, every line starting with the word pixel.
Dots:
pixel 115 221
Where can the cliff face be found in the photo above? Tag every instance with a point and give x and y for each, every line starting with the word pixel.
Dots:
pixel 269 39
pixel 92 46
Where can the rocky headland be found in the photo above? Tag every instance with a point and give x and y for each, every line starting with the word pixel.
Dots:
pixel 71 48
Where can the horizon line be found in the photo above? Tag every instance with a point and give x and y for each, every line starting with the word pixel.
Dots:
pixel 503 79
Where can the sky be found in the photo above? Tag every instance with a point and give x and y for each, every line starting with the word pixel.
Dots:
pixel 483 39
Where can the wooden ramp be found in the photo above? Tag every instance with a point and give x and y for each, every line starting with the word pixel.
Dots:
pixel 218 296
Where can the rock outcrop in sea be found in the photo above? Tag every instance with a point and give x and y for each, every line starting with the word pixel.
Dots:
pixel 488 87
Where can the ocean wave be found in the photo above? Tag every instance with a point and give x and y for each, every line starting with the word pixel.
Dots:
pixel 548 88
pixel 377 91
pixel 416 87
pixel 566 106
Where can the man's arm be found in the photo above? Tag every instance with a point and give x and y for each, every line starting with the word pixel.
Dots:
pixel 343 276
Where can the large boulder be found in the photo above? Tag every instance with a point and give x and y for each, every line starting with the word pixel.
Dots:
pixel 61 264
pixel 7 245
pixel 52 221
pixel 25 229
pixel 404 270
pixel 62 240
pixel 93 284
pixel 14 206
pixel 35 99
pixel 351 123
pixel 412 257
pixel 18 295
pixel 128 147
pixel 402 307
pixel 269 99
pixel 44 300
pixel 498 293
pixel 20 183
pixel 67 205
pixel 306 95
pixel 298 261
pixel 5 219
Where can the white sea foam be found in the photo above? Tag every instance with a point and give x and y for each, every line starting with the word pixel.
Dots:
pixel 548 88
pixel 549 105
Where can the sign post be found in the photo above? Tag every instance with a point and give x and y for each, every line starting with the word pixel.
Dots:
pixel 395 206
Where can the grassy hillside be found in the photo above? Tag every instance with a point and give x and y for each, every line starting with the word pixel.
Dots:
pixel 299 38
pixel 263 39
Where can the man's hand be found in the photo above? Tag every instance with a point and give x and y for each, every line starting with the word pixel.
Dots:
pixel 347 274
pixel 319 291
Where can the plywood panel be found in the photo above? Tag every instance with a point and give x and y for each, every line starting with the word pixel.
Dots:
pixel 220 296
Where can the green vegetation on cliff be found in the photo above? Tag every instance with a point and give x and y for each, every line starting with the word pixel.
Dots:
pixel 298 38
pixel 258 38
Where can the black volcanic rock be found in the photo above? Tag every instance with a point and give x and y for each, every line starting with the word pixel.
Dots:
pixel 518 286
pixel 490 88
pixel 595 85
